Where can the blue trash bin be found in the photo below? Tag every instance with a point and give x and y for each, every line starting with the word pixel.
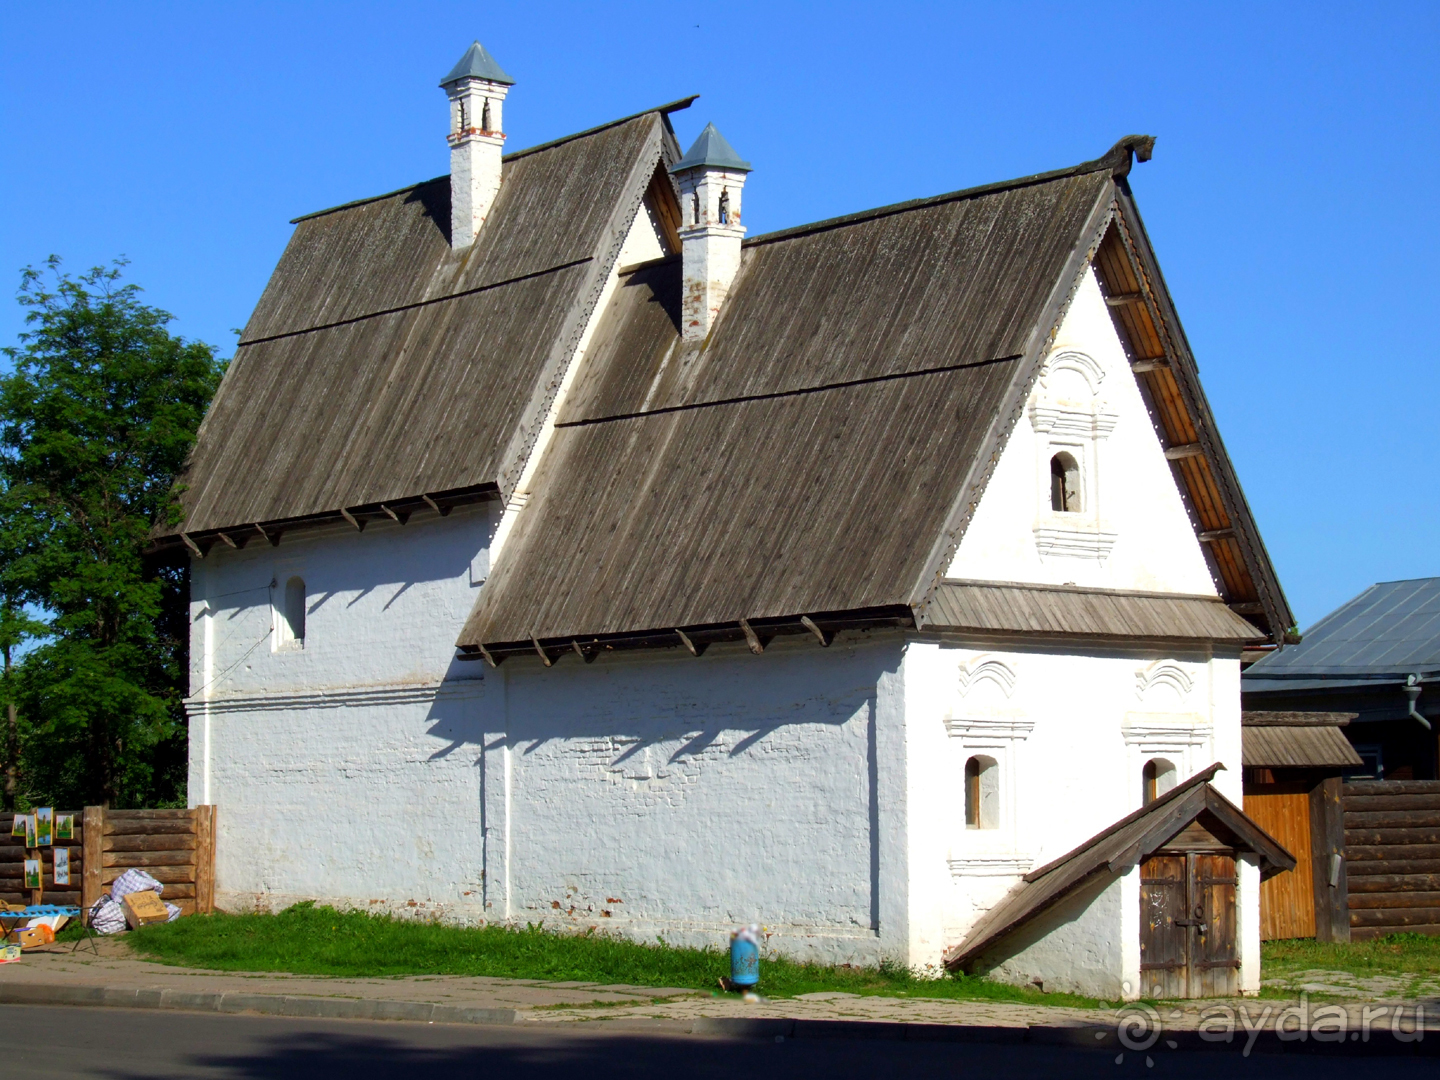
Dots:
pixel 744 959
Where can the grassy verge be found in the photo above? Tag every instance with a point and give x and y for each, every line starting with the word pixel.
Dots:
pixel 308 940
pixel 1397 955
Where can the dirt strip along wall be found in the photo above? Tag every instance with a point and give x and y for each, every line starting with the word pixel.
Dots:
pixel 12 865
pixel 1392 852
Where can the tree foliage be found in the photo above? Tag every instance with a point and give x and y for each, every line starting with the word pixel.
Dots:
pixel 96 417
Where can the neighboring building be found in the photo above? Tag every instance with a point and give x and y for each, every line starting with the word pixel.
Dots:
pixel 1293 766
pixel 837 578
pixel 1377 657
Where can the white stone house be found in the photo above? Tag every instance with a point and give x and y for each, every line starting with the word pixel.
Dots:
pixel 560 554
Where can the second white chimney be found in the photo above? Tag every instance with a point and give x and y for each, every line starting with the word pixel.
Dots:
pixel 477 86
pixel 711 179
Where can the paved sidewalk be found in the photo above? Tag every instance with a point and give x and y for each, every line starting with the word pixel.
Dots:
pixel 55 975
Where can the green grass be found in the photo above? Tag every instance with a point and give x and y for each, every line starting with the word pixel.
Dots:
pixel 309 940
pixel 1395 955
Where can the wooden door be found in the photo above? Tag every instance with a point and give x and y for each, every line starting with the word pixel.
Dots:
pixel 1188 944
pixel 1287 900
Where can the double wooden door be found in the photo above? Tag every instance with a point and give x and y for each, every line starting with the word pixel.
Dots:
pixel 1187 926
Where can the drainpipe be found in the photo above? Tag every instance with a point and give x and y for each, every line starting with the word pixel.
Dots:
pixel 1412 691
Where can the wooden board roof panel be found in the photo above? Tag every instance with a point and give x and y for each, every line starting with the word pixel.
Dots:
pixel 394 251
pixel 417 400
pixel 733 511
pixel 395 367
pixel 1013 608
pixel 843 303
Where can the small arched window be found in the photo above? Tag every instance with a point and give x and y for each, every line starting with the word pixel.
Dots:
pixel 290 620
pixel 460 115
pixel 695 209
pixel 1064 484
pixel 485 116
pixel 982 794
pixel 724 208
pixel 1157 778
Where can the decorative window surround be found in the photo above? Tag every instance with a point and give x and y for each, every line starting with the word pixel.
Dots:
pixel 988 733
pixel 991 866
pixel 1073 543
pixel 1079 430
pixel 1157 733
pixel 1163 673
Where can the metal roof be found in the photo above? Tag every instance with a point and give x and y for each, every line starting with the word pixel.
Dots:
pixel 1115 851
pixel 711 148
pixel 1389 631
pixel 477 64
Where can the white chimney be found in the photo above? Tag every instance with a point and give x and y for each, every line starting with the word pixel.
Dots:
pixel 477 86
pixel 711 179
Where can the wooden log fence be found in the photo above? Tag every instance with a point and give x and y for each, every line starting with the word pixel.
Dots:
pixel 1392 851
pixel 176 847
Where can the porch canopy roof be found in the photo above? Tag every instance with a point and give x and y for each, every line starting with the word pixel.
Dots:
pixel 1296 740
pixel 1116 850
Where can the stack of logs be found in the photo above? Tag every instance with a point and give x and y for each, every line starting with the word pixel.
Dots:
pixel 176 847
pixel 1392 855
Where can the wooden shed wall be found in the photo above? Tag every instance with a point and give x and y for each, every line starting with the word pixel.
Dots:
pixel 1392 848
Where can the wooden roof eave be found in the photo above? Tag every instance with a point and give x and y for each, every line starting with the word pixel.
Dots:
pixel 1260 595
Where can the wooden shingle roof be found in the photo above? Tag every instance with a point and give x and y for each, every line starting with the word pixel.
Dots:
pixel 381 366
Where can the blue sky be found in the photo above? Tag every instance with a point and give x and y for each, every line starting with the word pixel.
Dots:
pixel 1292 198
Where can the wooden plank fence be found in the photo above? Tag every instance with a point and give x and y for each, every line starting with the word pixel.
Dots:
pixel 1392 848
pixel 12 865
pixel 176 847
pixel 1287 900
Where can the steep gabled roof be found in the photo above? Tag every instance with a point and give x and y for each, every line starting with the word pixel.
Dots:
pixel 1115 851
pixel 381 367
pixel 804 457
pixel 814 463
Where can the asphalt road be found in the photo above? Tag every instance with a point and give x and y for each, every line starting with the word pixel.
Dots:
pixel 120 1044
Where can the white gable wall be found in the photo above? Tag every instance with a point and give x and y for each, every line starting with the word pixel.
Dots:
pixel 1133 531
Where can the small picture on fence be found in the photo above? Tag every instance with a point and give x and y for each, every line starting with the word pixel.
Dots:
pixel 64 826
pixel 17 826
pixel 32 873
pixel 44 826
pixel 29 830
pixel 62 866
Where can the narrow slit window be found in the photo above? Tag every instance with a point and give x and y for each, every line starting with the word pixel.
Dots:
pixel 981 793
pixel 460 116
pixel 290 616
pixel 695 209
pixel 1064 484
pixel 724 208
pixel 485 116
pixel 1157 778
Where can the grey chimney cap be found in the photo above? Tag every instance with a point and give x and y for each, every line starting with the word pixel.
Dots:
pixel 711 149
pixel 477 64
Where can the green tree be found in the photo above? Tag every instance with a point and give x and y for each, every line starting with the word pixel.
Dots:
pixel 96 417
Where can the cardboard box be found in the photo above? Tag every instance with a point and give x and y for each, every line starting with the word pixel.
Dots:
pixel 32 937
pixel 143 908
